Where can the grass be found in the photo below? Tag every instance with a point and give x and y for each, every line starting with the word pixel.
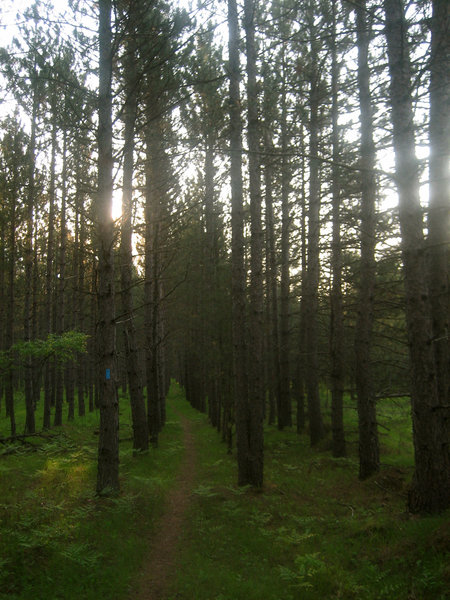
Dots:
pixel 58 539
pixel 314 532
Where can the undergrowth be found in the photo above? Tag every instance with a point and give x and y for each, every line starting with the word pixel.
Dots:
pixel 58 540
pixel 315 532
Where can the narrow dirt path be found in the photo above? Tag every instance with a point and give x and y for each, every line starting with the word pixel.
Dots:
pixel 159 566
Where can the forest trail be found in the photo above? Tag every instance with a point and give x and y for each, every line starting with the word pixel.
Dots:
pixel 158 567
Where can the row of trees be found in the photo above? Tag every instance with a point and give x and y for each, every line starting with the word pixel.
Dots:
pixel 258 258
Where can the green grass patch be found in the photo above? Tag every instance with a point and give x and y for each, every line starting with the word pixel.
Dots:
pixel 315 532
pixel 58 539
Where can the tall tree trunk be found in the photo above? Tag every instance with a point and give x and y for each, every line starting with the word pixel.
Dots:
pixel 161 345
pixel 61 287
pixel 272 346
pixel 157 181
pixel 35 328
pixel 134 374
pixel 285 413
pixel 439 208
pixel 256 391
pixel 108 448
pixel 301 366
pixel 430 491
pixel 92 340
pixel 80 240
pixel 336 300
pixel 273 341
pixel 369 455
pixel 211 286
pixel 152 256
pixel 69 372
pixel 240 390
pixel 311 297
pixel 10 306
pixel 69 322
pixel 48 316
pixel 28 261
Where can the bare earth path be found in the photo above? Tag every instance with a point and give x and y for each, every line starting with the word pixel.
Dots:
pixel 159 566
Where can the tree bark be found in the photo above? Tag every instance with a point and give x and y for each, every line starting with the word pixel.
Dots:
pixel 430 491
pixel 439 207
pixel 69 302
pixel 301 366
pixel 240 390
pixel 49 281
pixel 285 412
pixel 10 304
pixel 256 391
pixel 108 448
pixel 92 340
pixel 61 287
pixel 28 259
pixel 80 240
pixel 134 375
pixel 211 285
pixel 151 290
pixel 273 338
pixel 369 455
pixel 336 299
pixel 311 290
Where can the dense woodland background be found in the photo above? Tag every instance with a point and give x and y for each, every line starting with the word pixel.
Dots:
pixel 283 241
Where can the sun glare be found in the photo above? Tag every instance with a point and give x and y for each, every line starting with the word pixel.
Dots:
pixel 116 205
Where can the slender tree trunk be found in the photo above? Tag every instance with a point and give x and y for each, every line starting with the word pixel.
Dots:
pixel 69 372
pixel 134 375
pixel 211 286
pixel 161 347
pixel 439 208
pixel 369 455
pixel 240 390
pixel 272 346
pixel 151 281
pixel 312 277
pixel 10 308
pixel 337 313
pixel 28 261
pixel 48 316
pixel 301 366
pixel 36 377
pixel 285 414
pixel 92 341
pixel 61 298
pixel 256 389
pixel 273 343
pixel 156 181
pixel 430 491
pixel 108 448
pixel 80 236
pixel 70 392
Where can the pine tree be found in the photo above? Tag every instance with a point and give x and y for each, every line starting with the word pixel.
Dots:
pixel 430 490
pixel 108 449
pixel 369 459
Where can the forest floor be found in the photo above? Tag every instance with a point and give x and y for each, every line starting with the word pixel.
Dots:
pixel 181 529
pixel 160 564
